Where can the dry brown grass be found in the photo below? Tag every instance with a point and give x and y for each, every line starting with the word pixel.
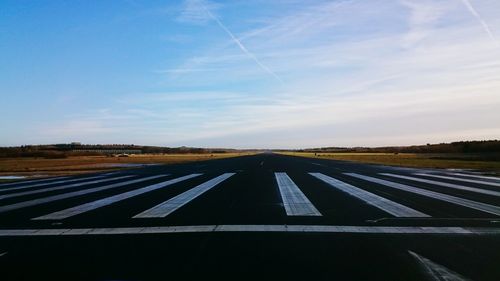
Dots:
pixel 442 160
pixel 86 164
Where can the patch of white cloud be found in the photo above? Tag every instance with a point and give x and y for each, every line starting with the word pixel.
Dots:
pixel 422 19
pixel 197 11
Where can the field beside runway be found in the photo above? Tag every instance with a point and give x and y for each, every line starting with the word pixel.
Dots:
pixel 30 166
pixel 428 160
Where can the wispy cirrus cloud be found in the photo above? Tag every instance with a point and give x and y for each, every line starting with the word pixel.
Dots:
pixel 422 20
pixel 197 11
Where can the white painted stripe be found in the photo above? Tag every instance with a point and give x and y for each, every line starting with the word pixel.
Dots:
pixel 435 195
pixel 48 199
pixel 326 229
pixel 30 181
pixel 476 176
pixel 445 184
pixel 3 254
pixel 36 191
pixel 166 208
pixel 49 183
pixel 459 179
pixel 294 201
pixel 110 200
pixel 382 203
pixel 436 271
pixel 111 173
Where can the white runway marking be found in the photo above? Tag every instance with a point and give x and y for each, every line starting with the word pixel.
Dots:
pixel 294 201
pixel 36 191
pixel 166 208
pixel 450 185
pixel 48 183
pixel 435 195
pixel 3 254
pixel 459 179
pixel 436 271
pixel 30 181
pixel 476 176
pixel 382 203
pixel 48 199
pixel 110 173
pixel 110 200
pixel 326 229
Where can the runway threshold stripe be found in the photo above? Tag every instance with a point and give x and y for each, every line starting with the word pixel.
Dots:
pixel 48 183
pixel 294 201
pixel 382 203
pixel 62 187
pixel 476 176
pixel 57 197
pixel 326 229
pixel 30 181
pixel 73 211
pixel 166 208
pixel 445 184
pixel 459 179
pixel 436 271
pixel 435 195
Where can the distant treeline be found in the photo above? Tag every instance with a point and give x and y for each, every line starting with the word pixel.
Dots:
pixel 76 149
pixel 486 146
pixel 65 150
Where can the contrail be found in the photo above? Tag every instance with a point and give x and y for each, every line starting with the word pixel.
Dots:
pixel 240 45
pixel 480 19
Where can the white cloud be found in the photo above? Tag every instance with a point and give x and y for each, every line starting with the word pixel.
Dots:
pixel 197 11
pixel 423 17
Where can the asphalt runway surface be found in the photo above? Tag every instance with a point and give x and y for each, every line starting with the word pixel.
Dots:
pixel 253 217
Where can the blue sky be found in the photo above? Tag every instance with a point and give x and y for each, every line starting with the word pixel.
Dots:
pixel 249 74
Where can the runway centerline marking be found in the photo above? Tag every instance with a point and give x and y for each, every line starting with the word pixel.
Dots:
pixel 73 211
pixel 325 229
pixel 445 184
pixel 294 201
pixel 377 201
pixel 62 187
pixel 166 208
pixel 52 198
pixel 459 179
pixel 432 194
pixel 48 183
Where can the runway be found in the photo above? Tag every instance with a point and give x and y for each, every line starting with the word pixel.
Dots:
pixel 252 216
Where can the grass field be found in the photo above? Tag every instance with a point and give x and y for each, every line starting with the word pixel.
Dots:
pixel 476 162
pixel 85 164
